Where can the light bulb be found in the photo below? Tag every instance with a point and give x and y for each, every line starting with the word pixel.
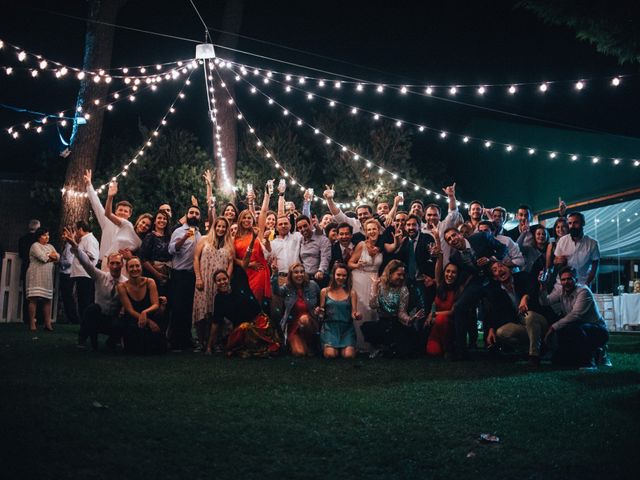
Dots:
pixel 532 151
pixel 465 139
pixel 428 90
pixel 553 155
pixel 579 85
pixel 481 90
pixel 615 81
pixel 574 157
pixel 512 89
pixel 487 144
pixel 453 90
pixel 543 87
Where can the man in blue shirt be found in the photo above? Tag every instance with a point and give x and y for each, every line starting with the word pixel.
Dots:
pixel 182 283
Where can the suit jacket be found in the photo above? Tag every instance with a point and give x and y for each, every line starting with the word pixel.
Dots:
pixel 336 255
pixel 483 244
pixel 500 310
pixel 514 233
pixel 425 265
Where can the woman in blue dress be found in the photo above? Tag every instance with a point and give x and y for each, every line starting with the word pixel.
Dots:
pixel 338 308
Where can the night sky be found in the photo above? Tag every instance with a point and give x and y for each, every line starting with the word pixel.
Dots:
pixel 392 42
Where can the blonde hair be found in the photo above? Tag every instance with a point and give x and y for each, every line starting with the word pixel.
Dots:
pixel 290 283
pixel 225 242
pixel 390 269
pixel 241 230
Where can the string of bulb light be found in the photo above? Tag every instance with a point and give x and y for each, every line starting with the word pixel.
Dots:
pixel 355 156
pixel 452 88
pixel 70 191
pixel 443 134
pixel 64 117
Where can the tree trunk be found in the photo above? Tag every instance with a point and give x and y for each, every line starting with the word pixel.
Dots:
pixel 231 21
pixel 85 139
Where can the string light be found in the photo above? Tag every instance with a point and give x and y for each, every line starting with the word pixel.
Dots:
pixel 66 190
pixel 354 109
pixel 344 148
pixel 430 88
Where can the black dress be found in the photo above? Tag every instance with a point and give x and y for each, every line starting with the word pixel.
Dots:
pixel 142 340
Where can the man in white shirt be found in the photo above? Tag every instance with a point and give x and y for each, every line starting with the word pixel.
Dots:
pixel 452 220
pixel 363 212
pixel 88 244
pixel 118 232
pixel 101 316
pixel 578 250
pixel 581 331
pixel 285 251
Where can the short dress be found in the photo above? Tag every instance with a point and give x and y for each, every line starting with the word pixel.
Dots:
pixel 40 272
pixel 337 329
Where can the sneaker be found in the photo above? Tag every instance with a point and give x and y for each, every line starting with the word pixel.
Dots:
pixel 602 358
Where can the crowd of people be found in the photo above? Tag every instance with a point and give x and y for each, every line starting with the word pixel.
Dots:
pixel 402 280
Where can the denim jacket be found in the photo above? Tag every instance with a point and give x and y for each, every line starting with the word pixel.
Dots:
pixel 311 293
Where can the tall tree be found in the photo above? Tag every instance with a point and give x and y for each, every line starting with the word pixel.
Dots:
pixel 610 26
pixel 98 47
pixel 231 22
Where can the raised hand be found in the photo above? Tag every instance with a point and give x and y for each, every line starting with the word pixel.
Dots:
pixel 69 234
pixel 113 189
pixel 194 201
pixel 87 177
pixel 208 177
pixel 450 191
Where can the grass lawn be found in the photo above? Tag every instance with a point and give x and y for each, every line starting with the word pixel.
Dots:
pixel 76 414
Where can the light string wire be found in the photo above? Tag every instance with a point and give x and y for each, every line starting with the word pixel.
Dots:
pixel 60 119
pixel 141 151
pixel 428 92
pixel 444 133
pixel 213 115
pixel 44 64
pixel 355 156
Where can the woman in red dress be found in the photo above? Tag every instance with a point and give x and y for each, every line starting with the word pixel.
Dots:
pixel 448 288
pixel 250 256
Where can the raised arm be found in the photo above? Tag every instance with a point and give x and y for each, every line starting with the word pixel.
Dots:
pixel 262 218
pixel 108 207
pixel 394 209
pixel 211 200
pixel 282 187
pixel 69 235
pixel 96 206
pixel 450 192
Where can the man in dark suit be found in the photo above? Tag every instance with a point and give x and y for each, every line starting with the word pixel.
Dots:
pixel 514 315
pixel 524 217
pixel 415 253
pixel 343 248
pixel 473 256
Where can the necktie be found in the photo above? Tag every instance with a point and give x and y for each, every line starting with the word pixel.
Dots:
pixel 113 287
pixel 346 255
pixel 411 264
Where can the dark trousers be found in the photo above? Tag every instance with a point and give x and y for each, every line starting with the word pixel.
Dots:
pixel 577 343
pixel 85 291
pixel 464 312
pixel 397 339
pixel 68 302
pixel 95 322
pixel 181 288
pixel 143 340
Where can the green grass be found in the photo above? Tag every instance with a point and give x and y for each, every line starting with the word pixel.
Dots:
pixel 190 416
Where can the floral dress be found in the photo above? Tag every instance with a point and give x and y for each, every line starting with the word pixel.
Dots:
pixel 211 259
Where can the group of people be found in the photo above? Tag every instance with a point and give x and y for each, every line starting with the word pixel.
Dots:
pixel 400 281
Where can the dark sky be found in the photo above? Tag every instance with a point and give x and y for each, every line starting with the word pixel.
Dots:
pixel 418 42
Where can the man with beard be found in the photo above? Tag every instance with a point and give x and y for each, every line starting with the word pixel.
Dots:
pixel 182 284
pixel 580 334
pixel 476 209
pixel 473 257
pixel 578 250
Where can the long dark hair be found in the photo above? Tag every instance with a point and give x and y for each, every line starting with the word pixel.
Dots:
pixel 443 288
pixel 332 280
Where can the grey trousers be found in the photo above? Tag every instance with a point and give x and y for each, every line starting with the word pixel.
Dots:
pixel 531 330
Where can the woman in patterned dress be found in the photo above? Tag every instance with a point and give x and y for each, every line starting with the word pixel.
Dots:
pixel 42 257
pixel 214 252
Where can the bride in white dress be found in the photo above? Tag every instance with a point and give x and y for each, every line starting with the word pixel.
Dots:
pixel 364 263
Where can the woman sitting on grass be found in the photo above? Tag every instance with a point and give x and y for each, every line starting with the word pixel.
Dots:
pixel 300 301
pixel 141 328
pixel 252 335
pixel 338 308
pixel 394 330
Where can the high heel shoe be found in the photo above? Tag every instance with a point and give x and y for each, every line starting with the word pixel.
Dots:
pixel 48 328
pixel 33 328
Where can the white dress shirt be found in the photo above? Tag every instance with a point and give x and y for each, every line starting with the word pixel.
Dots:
pixel 580 255
pixel 90 246
pixel 286 250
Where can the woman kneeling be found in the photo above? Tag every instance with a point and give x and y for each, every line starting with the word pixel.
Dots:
pixel 338 308
pixel 141 329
